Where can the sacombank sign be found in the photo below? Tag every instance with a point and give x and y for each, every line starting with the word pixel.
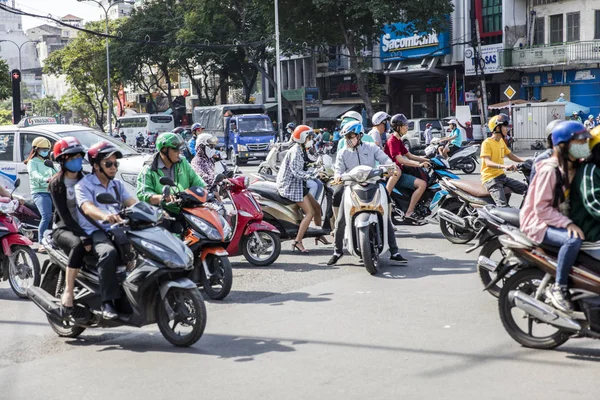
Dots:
pixel 395 47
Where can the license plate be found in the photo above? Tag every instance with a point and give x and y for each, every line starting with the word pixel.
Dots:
pixel 259 154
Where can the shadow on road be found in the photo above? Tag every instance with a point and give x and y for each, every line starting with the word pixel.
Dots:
pixel 272 298
pixel 8 294
pixel 288 267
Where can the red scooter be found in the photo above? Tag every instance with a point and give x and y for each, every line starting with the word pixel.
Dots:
pixel 256 239
pixel 18 263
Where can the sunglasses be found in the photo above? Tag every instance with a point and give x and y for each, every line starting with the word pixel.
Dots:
pixel 110 164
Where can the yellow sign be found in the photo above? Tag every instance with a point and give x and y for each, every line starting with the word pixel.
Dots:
pixel 510 92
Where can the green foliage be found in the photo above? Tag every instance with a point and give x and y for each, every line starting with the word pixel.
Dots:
pixel 5 117
pixel 5 81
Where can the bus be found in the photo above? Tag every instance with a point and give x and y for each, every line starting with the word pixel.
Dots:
pixel 150 125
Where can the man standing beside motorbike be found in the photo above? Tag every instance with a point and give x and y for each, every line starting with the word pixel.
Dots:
pixel 395 149
pixel 381 124
pixel 95 218
pixel 356 153
pixel 493 151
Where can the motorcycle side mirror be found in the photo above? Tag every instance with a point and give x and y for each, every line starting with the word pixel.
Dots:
pixel 165 180
pixel 219 178
pixel 17 183
pixel 166 191
pixel 49 163
pixel 106 198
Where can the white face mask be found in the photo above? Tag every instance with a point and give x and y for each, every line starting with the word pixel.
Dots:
pixel 308 144
pixel 209 152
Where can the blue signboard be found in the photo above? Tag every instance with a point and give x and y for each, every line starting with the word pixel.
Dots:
pixel 397 46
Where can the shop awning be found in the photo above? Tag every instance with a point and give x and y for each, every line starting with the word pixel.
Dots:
pixel 332 112
pixel 270 106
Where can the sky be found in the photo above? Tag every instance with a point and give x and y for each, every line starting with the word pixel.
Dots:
pixel 89 11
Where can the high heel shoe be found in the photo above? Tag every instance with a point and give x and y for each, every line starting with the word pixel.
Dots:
pixel 322 239
pixel 295 246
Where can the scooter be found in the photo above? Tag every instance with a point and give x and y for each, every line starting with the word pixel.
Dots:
pixel 274 158
pixel 207 234
pixel 152 276
pixel 28 218
pixel 466 159
pixel 366 212
pixel 257 240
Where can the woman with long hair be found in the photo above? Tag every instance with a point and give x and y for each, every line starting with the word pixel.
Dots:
pixel 67 233
pixel 545 212
pixel 39 176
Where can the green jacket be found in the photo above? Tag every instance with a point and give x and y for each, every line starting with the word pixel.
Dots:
pixel 148 180
pixel 585 201
pixel 38 175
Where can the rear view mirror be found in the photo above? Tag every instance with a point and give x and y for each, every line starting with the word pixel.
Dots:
pixel 106 198
pixel 49 164
pixel 17 183
pixel 166 191
pixel 219 178
pixel 165 180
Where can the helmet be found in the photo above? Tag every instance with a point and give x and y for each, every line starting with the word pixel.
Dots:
pixel 301 133
pixel 452 122
pixel 595 133
pixel 197 125
pixel 102 150
pixel 355 127
pixel 40 143
pixel 207 139
pixel 575 113
pixel 468 123
pixel 66 146
pixel 349 117
pixel 380 117
pixel 551 126
pixel 398 120
pixel 498 120
pixel 567 131
pixel 590 116
pixel 291 126
pixel 169 140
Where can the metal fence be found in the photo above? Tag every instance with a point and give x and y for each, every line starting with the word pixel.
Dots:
pixel 539 56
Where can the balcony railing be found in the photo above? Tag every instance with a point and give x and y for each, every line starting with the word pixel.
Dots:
pixel 549 55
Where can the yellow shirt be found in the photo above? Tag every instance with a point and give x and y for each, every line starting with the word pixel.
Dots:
pixel 496 151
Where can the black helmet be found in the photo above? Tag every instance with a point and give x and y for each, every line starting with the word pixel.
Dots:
pixel 398 120
pixel 291 126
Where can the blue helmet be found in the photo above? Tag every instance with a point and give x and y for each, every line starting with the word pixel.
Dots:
pixel 196 126
pixel 355 127
pixel 567 131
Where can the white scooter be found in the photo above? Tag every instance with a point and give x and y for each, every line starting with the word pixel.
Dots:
pixel 276 153
pixel 466 159
pixel 366 211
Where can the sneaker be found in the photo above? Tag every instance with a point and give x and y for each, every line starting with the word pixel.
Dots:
pixel 109 312
pixel 397 257
pixel 334 259
pixel 560 298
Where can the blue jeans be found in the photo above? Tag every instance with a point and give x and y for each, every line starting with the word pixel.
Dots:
pixel 569 247
pixel 314 187
pixel 43 202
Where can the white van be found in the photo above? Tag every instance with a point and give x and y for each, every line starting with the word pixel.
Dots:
pixel 147 124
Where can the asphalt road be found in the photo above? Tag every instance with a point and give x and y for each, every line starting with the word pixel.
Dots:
pixel 300 329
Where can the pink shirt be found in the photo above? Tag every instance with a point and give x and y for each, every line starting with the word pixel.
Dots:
pixel 537 213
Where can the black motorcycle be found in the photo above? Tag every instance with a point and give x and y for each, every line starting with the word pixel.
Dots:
pixel 153 282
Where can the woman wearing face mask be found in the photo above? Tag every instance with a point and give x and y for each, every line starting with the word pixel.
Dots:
pixel 203 162
pixel 291 181
pixel 544 215
pixel 39 176
pixel 67 233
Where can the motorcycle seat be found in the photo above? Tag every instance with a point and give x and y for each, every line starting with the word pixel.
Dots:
pixel 472 187
pixel 508 214
pixel 268 178
pixel 268 190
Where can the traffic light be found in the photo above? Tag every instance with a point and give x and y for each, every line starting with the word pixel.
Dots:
pixel 16 95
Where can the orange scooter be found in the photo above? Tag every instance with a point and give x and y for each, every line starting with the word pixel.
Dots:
pixel 207 234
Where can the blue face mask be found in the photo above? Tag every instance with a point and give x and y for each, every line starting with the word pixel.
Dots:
pixel 44 153
pixel 74 165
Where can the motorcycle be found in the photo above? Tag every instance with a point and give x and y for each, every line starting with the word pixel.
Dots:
pixel 28 218
pixel 256 239
pixel 458 210
pixel 153 281
pixel 466 159
pixel 274 158
pixel 525 291
pixel 366 212
pixel 207 234
pixel 423 209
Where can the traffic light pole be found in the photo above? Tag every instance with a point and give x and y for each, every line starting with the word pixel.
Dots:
pixel 16 95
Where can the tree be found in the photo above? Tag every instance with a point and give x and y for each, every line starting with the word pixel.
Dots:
pixel 5 81
pixel 358 24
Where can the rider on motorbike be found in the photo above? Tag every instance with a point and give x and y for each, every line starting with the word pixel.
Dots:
pixel 289 129
pixel 544 215
pixel 203 162
pixel 197 129
pixel 95 218
pixel 352 116
pixel 357 153
pixel 381 124
pixel 455 138
pixel 546 154
pixel 493 151
pixel 396 150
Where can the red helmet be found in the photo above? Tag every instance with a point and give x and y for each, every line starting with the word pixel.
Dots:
pixel 102 150
pixel 67 145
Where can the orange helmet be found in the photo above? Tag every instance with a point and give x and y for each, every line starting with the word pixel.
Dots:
pixel 301 133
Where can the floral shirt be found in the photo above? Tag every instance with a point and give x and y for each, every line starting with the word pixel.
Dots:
pixel 203 165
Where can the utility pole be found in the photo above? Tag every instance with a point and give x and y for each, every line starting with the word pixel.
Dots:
pixel 482 90
pixel 278 72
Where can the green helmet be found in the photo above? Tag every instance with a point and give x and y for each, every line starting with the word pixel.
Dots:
pixel 169 140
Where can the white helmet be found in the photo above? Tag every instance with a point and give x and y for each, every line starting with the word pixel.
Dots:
pixel 379 117
pixel 207 139
pixel 349 116
pixel 551 126
pixel 452 122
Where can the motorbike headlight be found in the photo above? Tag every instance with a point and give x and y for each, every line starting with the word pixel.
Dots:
pixel 227 231
pixel 360 173
pixel 161 254
pixel 130 179
pixel 241 147
pixel 211 232
pixel 189 254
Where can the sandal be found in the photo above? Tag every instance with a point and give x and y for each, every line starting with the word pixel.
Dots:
pixel 322 239
pixel 296 246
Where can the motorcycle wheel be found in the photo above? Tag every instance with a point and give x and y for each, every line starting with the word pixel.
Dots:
pixel 218 286
pixel 261 257
pixel 469 167
pixel 489 249
pixel 527 281
pixel 23 270
pixel 54 283
pixel 265 171
pixel 183 308
pixel 452 233
pixel 368 250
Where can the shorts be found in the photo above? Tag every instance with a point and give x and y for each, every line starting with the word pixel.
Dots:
pixel 453 149
pixel 406 181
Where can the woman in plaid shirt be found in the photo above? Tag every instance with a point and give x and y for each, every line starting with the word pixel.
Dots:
pixel 291 182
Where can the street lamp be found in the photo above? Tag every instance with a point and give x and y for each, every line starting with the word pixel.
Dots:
pixel 106 10
pixel 19 47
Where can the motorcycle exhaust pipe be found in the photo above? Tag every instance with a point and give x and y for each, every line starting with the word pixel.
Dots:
pixel 452 218
pixel 542 311
pixel 44 300
pixel 487 264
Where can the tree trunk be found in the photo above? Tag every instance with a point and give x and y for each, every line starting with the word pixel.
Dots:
pixel 363 90
pixel 224 87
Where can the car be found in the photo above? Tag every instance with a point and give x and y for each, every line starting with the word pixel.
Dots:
pixel 415 138
pixel 16 145
pixel 478 133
